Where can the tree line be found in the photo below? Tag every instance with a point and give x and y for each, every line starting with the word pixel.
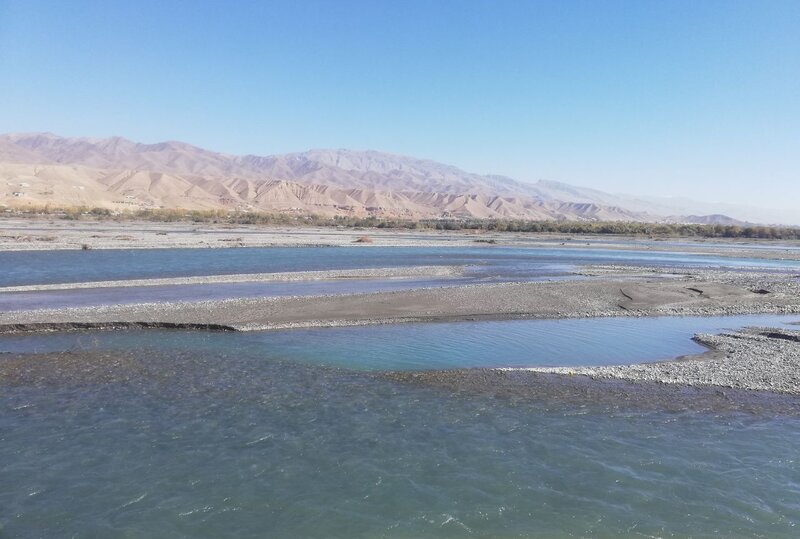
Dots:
pixel 487 225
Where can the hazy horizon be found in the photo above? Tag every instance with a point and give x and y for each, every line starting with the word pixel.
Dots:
pixel 641 98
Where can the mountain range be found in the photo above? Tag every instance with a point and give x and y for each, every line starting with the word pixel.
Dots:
pixel 119 174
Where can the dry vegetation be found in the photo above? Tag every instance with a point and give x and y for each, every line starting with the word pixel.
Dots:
pixel 491 225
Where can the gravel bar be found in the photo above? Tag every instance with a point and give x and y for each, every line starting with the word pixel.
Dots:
pixel 556 299
pixel 760 359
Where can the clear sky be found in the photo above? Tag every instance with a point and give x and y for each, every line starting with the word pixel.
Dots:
pixel 694 98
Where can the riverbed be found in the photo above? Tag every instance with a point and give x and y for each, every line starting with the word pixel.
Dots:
pixel 318 414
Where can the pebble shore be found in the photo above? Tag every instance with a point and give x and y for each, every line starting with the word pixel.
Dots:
pixel 759 359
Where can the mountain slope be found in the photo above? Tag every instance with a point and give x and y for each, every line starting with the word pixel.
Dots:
pixel 342 168
pixel 117 173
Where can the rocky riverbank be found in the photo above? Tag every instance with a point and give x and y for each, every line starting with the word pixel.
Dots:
pixel 761 359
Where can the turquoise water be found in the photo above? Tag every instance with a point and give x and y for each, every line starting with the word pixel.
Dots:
pixel 182 435
pixel 511 343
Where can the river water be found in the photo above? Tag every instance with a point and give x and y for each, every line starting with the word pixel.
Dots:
pixel 41 267
pixel 481 265
pixel 298 434
pixel 303 434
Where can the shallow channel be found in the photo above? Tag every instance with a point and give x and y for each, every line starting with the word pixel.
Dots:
pixel 210 435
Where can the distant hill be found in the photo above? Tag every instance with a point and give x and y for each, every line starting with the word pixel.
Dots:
pixel 119 174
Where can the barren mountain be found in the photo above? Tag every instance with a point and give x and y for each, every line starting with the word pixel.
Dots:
pixel 341 168
pixel 116 173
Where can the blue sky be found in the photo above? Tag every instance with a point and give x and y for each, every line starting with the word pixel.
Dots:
pixel 695 98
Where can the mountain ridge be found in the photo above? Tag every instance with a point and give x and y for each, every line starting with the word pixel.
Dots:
pixel 118 173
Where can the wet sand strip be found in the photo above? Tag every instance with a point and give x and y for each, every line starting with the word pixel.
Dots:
pixel 47 327
pixel 550 392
